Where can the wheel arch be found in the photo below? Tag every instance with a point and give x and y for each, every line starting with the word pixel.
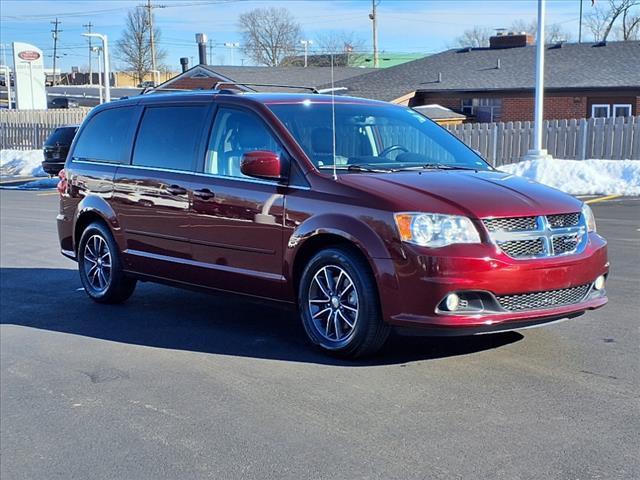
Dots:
pixel 92 209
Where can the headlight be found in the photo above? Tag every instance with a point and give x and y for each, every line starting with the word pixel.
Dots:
pixel 589 218
pixel 435 230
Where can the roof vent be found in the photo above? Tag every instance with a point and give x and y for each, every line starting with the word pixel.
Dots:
pixel 498 64
pixel 510 40
pixel 439 77
pixel 603 43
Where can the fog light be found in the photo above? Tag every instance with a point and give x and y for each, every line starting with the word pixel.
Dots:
pixel 599 283
pixel 452 302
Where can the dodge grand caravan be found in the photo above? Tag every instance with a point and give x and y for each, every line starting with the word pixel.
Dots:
pixel 367 216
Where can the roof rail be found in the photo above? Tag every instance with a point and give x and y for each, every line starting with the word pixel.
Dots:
pixel 147 90
pixel 217 86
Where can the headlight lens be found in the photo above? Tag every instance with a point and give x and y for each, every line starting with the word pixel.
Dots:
pixel 589 218
pixel 435 230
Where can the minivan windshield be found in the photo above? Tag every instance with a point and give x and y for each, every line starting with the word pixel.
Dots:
pixel 374 138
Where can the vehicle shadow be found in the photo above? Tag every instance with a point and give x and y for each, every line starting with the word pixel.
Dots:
pixel 165 317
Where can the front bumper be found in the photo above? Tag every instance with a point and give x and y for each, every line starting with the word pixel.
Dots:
pixel 425 277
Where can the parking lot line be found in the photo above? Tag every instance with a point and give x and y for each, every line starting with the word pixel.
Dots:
pixel 602 199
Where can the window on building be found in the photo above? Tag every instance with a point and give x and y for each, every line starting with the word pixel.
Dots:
pixel 484 109
pixel 600 110
pixel 622 110
pixel 107 136
pixel 169 136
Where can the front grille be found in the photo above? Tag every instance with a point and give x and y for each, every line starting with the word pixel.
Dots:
pixel 510 224
pixel 538 300
pixel 523 248
pixel 538 237
pixel 565 243
pixel 564 220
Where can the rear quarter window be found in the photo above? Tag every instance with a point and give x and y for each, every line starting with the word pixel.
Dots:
pixel 107 136
pixel 169 137
pixel 61 136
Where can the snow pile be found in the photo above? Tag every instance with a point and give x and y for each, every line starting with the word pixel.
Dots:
pixel 25 163
pixel 582 177
pixel 40 184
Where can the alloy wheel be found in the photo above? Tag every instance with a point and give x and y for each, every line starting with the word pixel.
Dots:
pixel 97 263
pixel 333 303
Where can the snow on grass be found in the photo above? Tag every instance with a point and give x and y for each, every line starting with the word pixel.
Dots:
pixel 21 163
pixel 582 177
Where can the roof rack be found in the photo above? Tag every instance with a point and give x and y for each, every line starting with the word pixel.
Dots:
pixel 217 85
pixel 147 90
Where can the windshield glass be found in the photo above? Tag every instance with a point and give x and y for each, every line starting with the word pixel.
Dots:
pixel 374 138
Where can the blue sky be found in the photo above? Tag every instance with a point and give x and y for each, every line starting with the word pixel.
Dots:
pixel 404 25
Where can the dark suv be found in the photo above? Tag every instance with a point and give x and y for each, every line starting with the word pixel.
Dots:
pixel 56 148
pixel 365 215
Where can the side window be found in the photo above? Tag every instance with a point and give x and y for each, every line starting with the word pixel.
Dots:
pixel 168 137
pixel 234 133
pixel 107 136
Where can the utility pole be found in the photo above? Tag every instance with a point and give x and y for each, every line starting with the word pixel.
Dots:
pixel 580 25
pixel 306 44
pixel 89 26
pixel 149 6
pixel 210 51
pixel 55 33
pixel 374 19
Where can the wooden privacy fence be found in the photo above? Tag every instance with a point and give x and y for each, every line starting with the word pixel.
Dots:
pixel 603 138
pixel 28 129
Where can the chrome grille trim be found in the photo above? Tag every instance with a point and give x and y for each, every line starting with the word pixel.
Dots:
pixel 548 236
pixel 541 300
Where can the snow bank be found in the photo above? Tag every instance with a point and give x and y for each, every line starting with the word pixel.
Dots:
pixel 25 163
pixel 40 184
pixel 582 177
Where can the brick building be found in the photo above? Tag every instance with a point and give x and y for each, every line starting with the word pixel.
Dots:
pixel 497 83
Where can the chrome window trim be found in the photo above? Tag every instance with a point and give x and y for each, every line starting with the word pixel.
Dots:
pixel 544 232
pixel 191 172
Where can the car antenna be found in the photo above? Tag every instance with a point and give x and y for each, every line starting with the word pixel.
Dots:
pixel 333 121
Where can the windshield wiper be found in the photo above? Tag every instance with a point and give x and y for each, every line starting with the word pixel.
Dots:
pixel 357 168
pixel 437 166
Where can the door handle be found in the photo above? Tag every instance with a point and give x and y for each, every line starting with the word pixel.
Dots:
pixel 176 190
pixel 204 194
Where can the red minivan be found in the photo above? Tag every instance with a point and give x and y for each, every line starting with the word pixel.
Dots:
pixel 365 215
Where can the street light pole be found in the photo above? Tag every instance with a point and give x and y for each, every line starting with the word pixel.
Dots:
pixel 537 152
pixel 105 63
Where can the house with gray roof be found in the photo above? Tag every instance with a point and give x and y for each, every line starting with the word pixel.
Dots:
pixel 497 83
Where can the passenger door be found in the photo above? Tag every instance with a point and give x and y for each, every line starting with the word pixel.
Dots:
pixel 152 195
pixel 236 220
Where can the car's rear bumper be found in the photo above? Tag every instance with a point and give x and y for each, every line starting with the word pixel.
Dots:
pixel 52 167
pixel 424 280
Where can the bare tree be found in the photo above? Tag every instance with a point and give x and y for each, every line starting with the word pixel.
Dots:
pixel 475 37
pixel 133 47
pixel 624 13
pixel 269 35
pixel 347 45
pixel 554 32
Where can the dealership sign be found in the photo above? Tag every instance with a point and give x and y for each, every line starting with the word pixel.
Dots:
pixel 29 77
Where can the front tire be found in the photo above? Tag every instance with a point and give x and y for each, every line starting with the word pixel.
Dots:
pixel 339 304
pixel 100 266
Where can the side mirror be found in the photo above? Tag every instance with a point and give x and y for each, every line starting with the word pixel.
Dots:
pixel 262 164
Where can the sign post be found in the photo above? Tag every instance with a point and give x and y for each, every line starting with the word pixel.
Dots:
pixel 28 66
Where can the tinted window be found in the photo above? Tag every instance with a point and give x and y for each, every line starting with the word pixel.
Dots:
pixel 381 135
pixel 107 136
pixel 169 136
pixel 61 136
pixel 236 132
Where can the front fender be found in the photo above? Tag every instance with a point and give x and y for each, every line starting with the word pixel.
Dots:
pixel 357 232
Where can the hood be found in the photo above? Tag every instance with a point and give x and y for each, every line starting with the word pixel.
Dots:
pixel 479 194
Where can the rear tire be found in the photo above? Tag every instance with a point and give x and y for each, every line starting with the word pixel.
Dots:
pixel 100 266
pixel 339 304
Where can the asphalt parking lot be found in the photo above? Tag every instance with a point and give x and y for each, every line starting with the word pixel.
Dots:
pixel 177 384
